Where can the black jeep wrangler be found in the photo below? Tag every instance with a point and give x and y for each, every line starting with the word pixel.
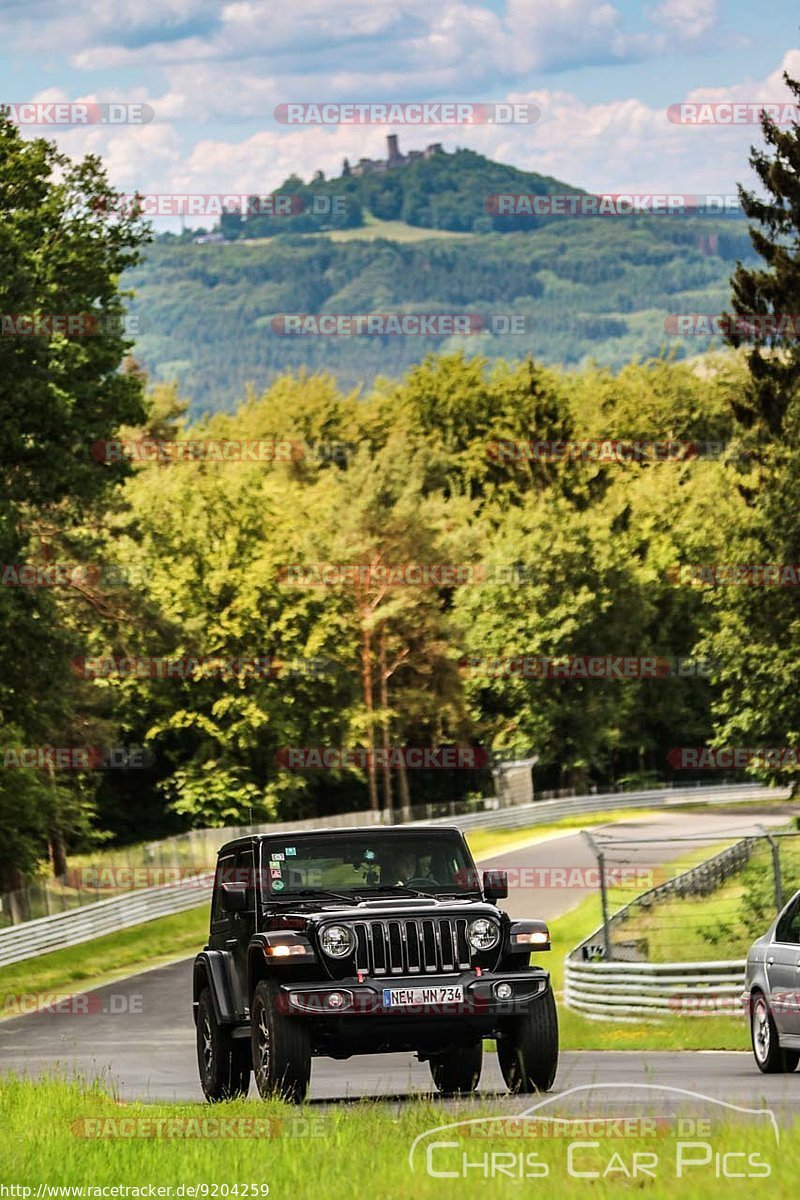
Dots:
pixel 361 941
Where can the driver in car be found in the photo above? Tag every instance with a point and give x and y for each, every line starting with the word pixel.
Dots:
pixel 405 866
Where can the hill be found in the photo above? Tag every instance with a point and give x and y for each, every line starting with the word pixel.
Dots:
pixel 584 288
pixel 452 192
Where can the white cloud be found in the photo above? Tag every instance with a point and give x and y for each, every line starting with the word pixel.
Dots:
pixel 688 19
pixel 619 146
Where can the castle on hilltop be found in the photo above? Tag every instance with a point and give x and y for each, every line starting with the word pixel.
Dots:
pixel 395 160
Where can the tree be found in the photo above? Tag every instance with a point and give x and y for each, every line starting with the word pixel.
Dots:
pixel 758 626
pixel 63 248
pixel 771 290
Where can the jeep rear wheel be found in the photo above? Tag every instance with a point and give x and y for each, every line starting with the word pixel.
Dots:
pixel 458 1070
pixel 528 1050
pixel 223 1063
pixel 281 1048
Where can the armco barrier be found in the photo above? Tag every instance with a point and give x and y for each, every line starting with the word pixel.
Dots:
pixel 56 932
pixel 541 812
pixel 632 991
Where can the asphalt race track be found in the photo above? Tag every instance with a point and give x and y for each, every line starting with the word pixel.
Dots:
pixel 139 1031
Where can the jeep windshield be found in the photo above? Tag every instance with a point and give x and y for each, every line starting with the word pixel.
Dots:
pixel 346 864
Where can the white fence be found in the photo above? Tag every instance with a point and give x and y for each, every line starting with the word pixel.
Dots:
pixel 56 932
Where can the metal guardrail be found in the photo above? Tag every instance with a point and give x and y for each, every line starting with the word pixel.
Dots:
pixel 45 934
pixel 104 916
pixel 628 991
pixel 633 991
pixel 541 812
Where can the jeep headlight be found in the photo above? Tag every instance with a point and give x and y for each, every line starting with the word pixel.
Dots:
pixel 337 941
pixel 483 934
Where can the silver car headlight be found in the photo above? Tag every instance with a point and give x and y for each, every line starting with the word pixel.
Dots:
pixel 337 941
pixel 483 934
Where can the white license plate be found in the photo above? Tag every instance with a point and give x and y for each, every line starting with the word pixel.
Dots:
pixel 418 996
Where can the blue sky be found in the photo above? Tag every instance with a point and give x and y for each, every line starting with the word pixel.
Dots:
pixel 602 73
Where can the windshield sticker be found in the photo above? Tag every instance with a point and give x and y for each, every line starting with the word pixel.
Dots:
pixel 275 873
pixel 277 856
pixel 369 855
pixel 278 885
pixel 291 850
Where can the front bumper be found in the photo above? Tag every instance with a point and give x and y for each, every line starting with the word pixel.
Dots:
pixel 353 998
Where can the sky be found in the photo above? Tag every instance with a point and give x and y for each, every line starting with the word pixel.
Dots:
pixel 601 74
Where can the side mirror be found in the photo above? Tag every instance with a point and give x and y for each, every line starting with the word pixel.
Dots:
pixel 495 885
pixel 234 897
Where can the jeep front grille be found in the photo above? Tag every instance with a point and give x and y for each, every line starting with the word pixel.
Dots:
pixel 417 946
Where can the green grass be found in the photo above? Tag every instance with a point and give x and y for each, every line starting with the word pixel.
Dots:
pixel 723 924
pixel 393 231
pixel 360 1149
pixel 578 1032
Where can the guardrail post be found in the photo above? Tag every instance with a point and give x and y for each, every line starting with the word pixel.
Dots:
pixel 601 867
pixel 776 866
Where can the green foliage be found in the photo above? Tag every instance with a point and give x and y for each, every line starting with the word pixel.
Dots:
pixel 755 635
pixel 593 289
pixel 61 257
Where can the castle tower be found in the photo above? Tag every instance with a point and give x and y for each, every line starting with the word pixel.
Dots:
pixel 394 154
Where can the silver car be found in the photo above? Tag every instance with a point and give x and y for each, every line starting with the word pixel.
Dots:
pixel 772 992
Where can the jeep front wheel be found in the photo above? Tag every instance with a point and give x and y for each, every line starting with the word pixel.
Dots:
pixel 528 1050
pixel 457 1071
pixel 281 1048
pixel 223 1063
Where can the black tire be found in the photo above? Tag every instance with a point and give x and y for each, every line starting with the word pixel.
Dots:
pixel 281 1048
pixel 528 1048
pixel 457 1071
pixel 770 1058
pixel 223 1063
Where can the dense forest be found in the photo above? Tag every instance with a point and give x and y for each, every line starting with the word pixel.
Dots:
pixel 582 290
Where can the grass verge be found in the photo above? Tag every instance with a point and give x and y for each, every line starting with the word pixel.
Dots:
pixel 65 1135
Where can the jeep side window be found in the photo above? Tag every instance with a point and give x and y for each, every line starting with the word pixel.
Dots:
pixel 245 874
pixel 224 874
pixel 789 926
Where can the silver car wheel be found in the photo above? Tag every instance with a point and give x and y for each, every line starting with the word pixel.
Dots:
pixel 761 1033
